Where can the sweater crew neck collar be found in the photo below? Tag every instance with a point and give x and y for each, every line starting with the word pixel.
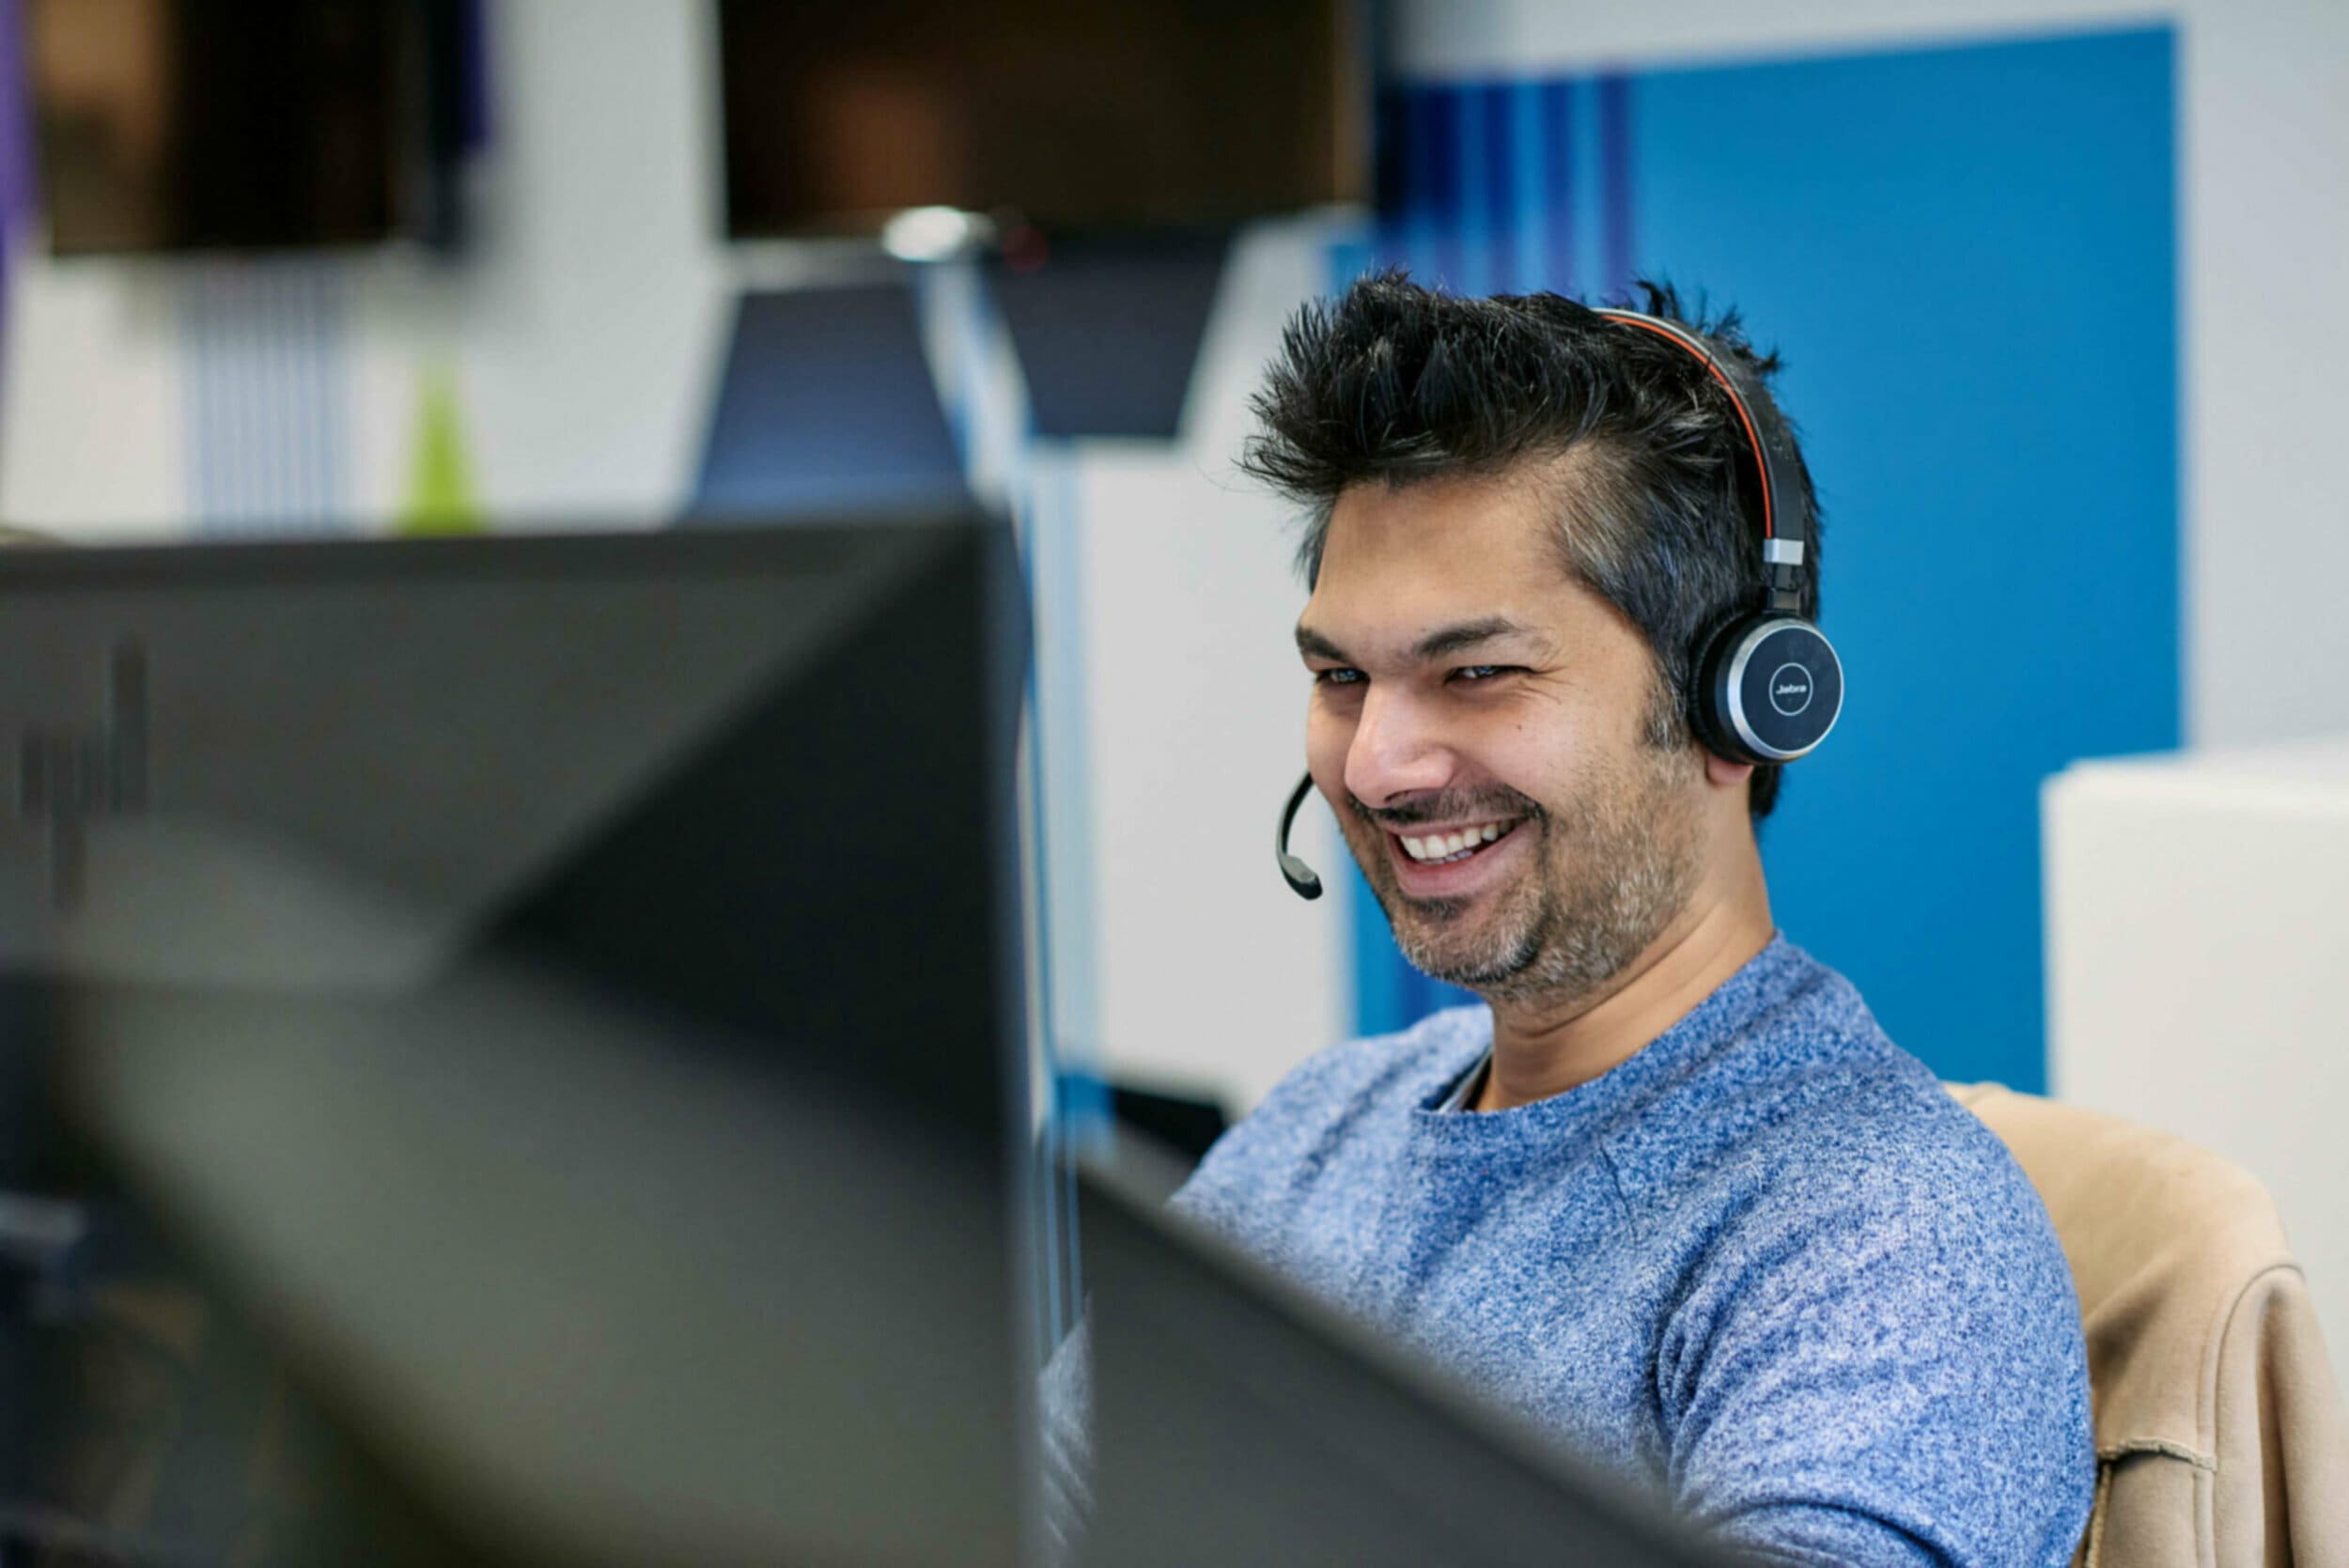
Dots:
pixel 1462 1041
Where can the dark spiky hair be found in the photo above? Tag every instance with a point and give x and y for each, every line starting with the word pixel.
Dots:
pixel 1394 383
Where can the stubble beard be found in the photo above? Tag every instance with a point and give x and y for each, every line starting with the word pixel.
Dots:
pixel 1611 870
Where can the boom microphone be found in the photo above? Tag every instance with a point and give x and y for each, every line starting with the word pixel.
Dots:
pixel 1299 876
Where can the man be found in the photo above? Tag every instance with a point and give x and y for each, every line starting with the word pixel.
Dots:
pixel 1670 1192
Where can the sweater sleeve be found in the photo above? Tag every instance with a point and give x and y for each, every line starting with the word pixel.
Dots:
pixel 1886 1371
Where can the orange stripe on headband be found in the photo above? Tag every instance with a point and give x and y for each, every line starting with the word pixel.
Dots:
pixel 1761 463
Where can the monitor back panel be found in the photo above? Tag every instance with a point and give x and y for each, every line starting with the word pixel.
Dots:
pixel 1238 1422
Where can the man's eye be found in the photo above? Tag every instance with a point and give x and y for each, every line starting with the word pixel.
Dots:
pixel 1482 671
pixel 1340 676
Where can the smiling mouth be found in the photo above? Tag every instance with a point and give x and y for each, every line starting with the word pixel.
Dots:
pixel 1451 849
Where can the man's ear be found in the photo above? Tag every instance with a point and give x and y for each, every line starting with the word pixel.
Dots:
pixel 1721 774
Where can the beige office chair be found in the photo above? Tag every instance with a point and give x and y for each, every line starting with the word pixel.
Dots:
pixel 2221 1440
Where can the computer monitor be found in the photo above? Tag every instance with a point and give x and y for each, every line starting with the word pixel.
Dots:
pixel 565 995
pixel 1237 1420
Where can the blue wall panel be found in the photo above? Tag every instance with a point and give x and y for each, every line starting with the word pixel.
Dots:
pixel 1967 256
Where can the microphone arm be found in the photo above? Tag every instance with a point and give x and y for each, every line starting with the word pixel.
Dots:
pixel 1300 877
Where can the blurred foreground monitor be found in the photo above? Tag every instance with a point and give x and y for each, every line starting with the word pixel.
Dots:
pixel 1240 1422
pixel 547 1015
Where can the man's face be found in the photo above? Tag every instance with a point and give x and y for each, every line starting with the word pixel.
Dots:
pixel 1488 731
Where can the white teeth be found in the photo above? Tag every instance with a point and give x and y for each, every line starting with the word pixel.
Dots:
pixel 1442 848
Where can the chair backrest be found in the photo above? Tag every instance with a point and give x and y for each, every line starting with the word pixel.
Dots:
pixel 2221 1440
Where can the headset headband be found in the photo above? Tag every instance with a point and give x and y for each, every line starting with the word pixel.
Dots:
pixel 1785 515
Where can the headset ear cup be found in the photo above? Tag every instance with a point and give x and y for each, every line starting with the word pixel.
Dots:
pixel 1774 687
pixel 1715 725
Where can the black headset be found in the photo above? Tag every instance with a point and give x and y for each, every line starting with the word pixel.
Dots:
pixel 1770 687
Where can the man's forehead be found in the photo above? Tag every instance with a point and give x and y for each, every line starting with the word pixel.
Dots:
pixel 1516 512
pixel 1406 565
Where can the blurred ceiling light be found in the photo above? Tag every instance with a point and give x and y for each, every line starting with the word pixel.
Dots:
pixel 931 233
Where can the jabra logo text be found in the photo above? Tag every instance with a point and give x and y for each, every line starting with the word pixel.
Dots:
pixel 1789 688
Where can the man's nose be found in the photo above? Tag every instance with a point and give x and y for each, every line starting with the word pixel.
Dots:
pixel 1396 750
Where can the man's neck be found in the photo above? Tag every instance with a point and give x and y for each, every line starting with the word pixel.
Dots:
pixel 1541 1049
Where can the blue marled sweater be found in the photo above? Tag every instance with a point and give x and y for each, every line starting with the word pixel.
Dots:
pixel 1766 1263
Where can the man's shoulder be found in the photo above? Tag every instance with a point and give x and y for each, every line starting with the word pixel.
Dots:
pixel 1883 1139
pixel 1816 1129
pixel 1812 1099
pixel 1878 1114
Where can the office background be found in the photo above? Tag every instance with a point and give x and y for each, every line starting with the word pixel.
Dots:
pixel 2054 282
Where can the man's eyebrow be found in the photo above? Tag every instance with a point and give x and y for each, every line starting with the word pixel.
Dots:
pixel 1439 644
pixel 1459 638
pixel 1314 645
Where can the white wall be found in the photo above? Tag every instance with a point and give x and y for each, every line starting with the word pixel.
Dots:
pixel 590 334
pixel 90 399
pixel 1212 975
pixel 2264 163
